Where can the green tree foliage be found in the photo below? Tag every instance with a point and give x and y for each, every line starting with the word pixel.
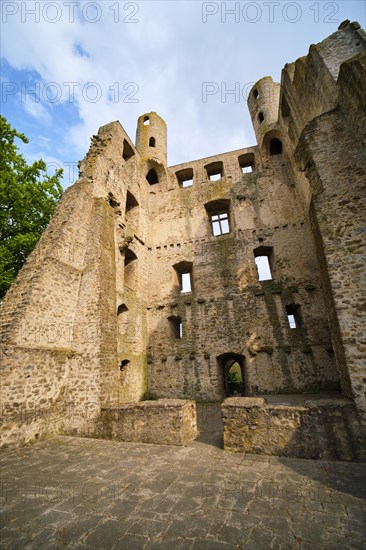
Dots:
pixel 28 198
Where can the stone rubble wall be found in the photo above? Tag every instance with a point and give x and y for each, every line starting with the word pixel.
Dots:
pixel 59 357
pixel 162 422
pixel 328 141
pixel 229 309
pixel 330 429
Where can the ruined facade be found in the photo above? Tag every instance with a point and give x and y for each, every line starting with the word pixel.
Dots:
pixel 147 283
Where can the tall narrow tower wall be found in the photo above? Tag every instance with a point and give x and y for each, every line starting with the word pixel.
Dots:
pixel 151 137
pixel 322 111
pixel 263 102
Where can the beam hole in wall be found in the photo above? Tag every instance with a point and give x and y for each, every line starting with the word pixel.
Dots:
pixel 152 177
pixel 152 142
pixel 146 121
pixel 255 93
pixel 275 147
pixel 293 316
pixel 128 152
pixel 113 201
pixel 185 177
pixel 246 163
pixel 176 326
pixel 260 117
pixel 215 170
pixel 264 262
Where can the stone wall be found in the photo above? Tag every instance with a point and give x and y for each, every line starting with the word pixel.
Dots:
pixel 60 347
pixel 162 422
pixel 328 429
pixel 228 309
pixel 329 148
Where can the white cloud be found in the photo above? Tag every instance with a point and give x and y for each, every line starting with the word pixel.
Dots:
pixel 36 109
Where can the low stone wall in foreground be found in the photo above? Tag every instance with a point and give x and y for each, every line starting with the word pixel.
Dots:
pixel 162 422
pixel 329 429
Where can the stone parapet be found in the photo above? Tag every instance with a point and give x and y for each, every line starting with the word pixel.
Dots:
pixel 162 422
pixel 328 429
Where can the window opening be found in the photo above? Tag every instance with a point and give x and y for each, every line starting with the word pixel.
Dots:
pixel 220 223
pixel 185 177
pixel 291 321
pixel 263 268
pixel 215 171
pixel 177 327
pixel 264 261
pixel 124 364
pixel 152 177
pixel 218 211
pixel 293 316
pixel 186 282
pixel 129 257
pixel 127 150
pixel 131 202
pixel 246 163
pixel 183 272
pixel 275 147
pixel 122 308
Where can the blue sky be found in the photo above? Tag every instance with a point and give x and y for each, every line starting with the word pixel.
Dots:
pixel 68 67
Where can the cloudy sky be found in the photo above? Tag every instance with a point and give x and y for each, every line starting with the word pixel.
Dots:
pixel 68 67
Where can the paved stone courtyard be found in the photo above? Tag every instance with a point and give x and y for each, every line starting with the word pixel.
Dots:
pixel 84 493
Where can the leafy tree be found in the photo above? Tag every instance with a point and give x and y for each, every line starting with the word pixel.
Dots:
pixel 28 198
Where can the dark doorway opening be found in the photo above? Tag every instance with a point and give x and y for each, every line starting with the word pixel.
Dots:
pixel 232 365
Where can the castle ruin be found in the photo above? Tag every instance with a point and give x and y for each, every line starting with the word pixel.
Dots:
pixel 152 281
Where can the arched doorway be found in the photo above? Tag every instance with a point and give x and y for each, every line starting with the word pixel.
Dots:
pixel 232 365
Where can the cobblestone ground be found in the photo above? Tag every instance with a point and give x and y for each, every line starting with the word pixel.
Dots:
pixel 84 493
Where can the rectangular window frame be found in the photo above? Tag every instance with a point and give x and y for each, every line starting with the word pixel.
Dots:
pixel 220 223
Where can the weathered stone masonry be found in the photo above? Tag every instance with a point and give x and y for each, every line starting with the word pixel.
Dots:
pixel 97 316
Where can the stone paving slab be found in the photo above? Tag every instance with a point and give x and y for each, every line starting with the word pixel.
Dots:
pixel 88 494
